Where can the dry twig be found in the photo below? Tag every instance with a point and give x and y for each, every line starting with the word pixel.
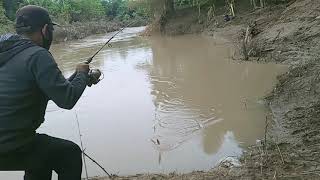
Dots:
pixel 280 153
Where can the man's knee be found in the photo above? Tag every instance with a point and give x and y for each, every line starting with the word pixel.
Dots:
pixel 72 156
pixel 57 145
pixel 70 165
pixel 66 149
pixel 75 149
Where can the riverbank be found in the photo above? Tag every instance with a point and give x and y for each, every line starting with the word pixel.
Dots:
pixel 287 34
pixel 80 30
pixel 76 30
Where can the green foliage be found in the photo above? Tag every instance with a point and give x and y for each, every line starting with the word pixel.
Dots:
pixel 5 24
pixel 11 7
pixel 71 10
pixel 114 8
pixel 85 10
pixel 142 8
pixel 125 10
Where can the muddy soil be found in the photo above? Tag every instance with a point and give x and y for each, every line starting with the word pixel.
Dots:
pixel 289 34
pixel 292 37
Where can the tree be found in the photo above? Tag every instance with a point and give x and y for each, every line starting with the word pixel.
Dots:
pixel 162 8
pixel 5 24
pixel 11 6
pixel 169 6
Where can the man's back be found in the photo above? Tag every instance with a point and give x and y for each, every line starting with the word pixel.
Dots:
pixel 29 77
pixel 22 104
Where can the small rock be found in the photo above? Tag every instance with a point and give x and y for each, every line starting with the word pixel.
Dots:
pixel 258 142
pixel 230 162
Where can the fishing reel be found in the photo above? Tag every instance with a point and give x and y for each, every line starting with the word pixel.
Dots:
pixel 95 77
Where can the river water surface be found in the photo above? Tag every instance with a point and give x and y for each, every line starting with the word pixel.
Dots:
pixel 165 104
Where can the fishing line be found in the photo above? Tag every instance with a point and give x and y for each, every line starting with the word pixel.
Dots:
pixel 94 161
pixel 84 155
pixel 88 61
pixel 82 149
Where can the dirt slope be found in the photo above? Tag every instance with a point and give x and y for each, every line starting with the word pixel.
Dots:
pixel 289 34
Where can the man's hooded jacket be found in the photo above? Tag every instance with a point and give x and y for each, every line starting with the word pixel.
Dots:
pixel 29 78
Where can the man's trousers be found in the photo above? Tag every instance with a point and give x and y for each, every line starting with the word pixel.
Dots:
pixel 44 155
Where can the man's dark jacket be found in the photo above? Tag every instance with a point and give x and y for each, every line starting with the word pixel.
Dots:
pixel 29 78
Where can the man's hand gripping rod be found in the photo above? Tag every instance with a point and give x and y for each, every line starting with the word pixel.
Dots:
pixel 95 74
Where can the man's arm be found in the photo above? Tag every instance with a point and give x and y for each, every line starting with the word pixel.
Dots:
pixel 50 80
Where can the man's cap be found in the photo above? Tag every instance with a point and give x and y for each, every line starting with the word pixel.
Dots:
pixel 33 17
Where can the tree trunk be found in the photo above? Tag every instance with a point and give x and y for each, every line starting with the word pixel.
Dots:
pixel 162 9
pixel 11 6
pixel 169 6
pixel 261 3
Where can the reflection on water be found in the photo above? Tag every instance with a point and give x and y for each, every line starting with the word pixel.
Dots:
pixel 166 104
pixel 197 89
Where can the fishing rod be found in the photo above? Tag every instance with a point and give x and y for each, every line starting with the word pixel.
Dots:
pixel 88 61
pixel 95 74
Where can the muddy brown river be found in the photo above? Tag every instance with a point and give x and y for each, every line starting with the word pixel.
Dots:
pixel 165 104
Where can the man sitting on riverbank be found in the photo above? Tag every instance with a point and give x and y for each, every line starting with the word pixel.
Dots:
pixel 29 77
